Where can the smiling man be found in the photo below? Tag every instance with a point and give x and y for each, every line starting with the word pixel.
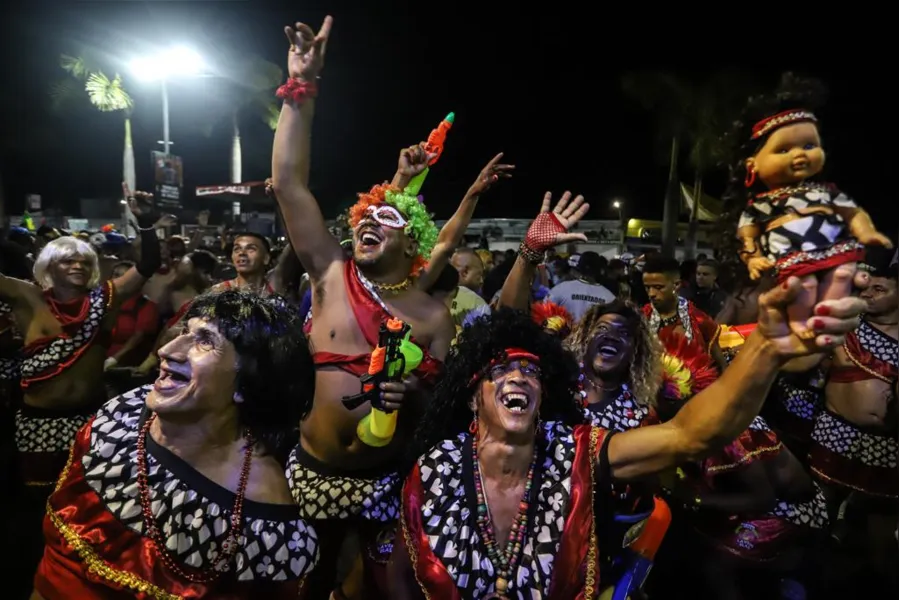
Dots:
pixel 175 490
pixel 337 479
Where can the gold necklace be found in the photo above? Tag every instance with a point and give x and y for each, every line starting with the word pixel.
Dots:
pixel 393 287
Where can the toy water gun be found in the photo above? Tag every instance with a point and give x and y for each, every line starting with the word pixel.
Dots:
pixel 642 553
pixel 394 357
pixel 434 146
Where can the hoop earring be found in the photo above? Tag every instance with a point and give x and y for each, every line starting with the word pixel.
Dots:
pixel 750 178
pixel 473 426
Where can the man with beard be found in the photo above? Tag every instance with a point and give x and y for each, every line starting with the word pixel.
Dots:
pixel 251 257
pixel 335 477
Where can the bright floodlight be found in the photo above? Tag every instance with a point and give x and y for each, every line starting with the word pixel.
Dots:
pixel 616 204
pixel 175 62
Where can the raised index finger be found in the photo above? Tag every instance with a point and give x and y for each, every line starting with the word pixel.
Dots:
pixel 494 160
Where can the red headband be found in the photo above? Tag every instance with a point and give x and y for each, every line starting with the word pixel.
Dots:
pixel 788 117
pixel 511 354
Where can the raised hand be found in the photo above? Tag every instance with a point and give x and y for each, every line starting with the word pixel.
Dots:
pixel 140 204
pixel 413 160
pixel 489 175
pixel 306 56
pixel 552 229
pixel 830 320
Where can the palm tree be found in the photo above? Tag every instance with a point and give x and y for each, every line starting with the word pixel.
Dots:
pixel 689 114
pixel 104 94
pixel 250 95
pixel 715 103
pixel 667 97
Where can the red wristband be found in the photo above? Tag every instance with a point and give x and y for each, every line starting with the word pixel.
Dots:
pixel 296 91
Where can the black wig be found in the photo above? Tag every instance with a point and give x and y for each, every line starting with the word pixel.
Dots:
pixel 449 412
pixel 275 375
pixel 792 93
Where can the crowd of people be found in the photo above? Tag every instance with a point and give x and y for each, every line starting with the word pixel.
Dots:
pixel 401 416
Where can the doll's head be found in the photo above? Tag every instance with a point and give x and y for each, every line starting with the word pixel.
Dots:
pixel 776 142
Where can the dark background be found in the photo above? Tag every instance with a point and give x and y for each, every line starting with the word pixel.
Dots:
pixel 540 82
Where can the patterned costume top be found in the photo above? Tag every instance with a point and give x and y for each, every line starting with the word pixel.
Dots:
pixel 817 240
pixel 873 354
pixel 48 357
pixel 95 534
pixel 696 324
pixel 559 556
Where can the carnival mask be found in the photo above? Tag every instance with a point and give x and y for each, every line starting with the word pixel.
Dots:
pixel 387 216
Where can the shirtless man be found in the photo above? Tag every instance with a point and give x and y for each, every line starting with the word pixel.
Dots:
pixel 65 321
pixel 333 475
pixel 251 257
pixel 854 440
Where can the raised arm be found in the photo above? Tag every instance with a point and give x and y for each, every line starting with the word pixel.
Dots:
pixel 453 232
pixel 314 245
pixel 722 411
pixel 548 230
pixel 132 281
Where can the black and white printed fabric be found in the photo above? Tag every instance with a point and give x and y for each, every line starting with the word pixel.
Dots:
pixel 194 513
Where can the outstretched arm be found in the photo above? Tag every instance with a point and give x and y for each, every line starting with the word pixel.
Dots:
pixel 453 232
pixel 314 245
pixel 722 411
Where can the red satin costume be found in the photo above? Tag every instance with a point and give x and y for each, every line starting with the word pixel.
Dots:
pixel 96 547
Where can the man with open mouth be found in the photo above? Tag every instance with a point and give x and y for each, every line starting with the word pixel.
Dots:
pixel 339 481
pixel 176 489
pixel 504 468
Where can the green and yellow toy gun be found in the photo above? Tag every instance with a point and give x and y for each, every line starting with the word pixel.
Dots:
pixel 394 357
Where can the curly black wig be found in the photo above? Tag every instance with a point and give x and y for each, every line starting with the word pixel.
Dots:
pixel 275 374
pixel 792 93
pixel 449 412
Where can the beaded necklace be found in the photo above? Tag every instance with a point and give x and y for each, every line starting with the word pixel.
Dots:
pixel 504 562
pixel 229 546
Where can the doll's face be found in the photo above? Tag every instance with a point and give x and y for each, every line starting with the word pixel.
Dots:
pixel 790 155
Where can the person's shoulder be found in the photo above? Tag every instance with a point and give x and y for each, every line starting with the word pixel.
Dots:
pixel 267 483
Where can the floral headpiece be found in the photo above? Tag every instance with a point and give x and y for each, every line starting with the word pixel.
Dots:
pixel 687 369
pixel 552 317
pixel 419 224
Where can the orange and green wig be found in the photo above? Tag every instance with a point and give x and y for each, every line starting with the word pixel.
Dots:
pixel 420 226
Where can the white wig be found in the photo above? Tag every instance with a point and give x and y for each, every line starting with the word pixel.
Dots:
pixel 64 248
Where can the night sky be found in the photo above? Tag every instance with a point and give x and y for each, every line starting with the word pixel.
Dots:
pixel 542 87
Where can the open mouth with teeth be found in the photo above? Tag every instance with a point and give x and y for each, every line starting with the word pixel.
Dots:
pixel 368 237
pixel 515 402
pixel 607 351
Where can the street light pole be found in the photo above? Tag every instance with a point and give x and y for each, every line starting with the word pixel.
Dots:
pixel 622 229
pixel 166 141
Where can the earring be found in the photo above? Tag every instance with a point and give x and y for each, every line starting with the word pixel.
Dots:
pixel 473 426
pixel 750 177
